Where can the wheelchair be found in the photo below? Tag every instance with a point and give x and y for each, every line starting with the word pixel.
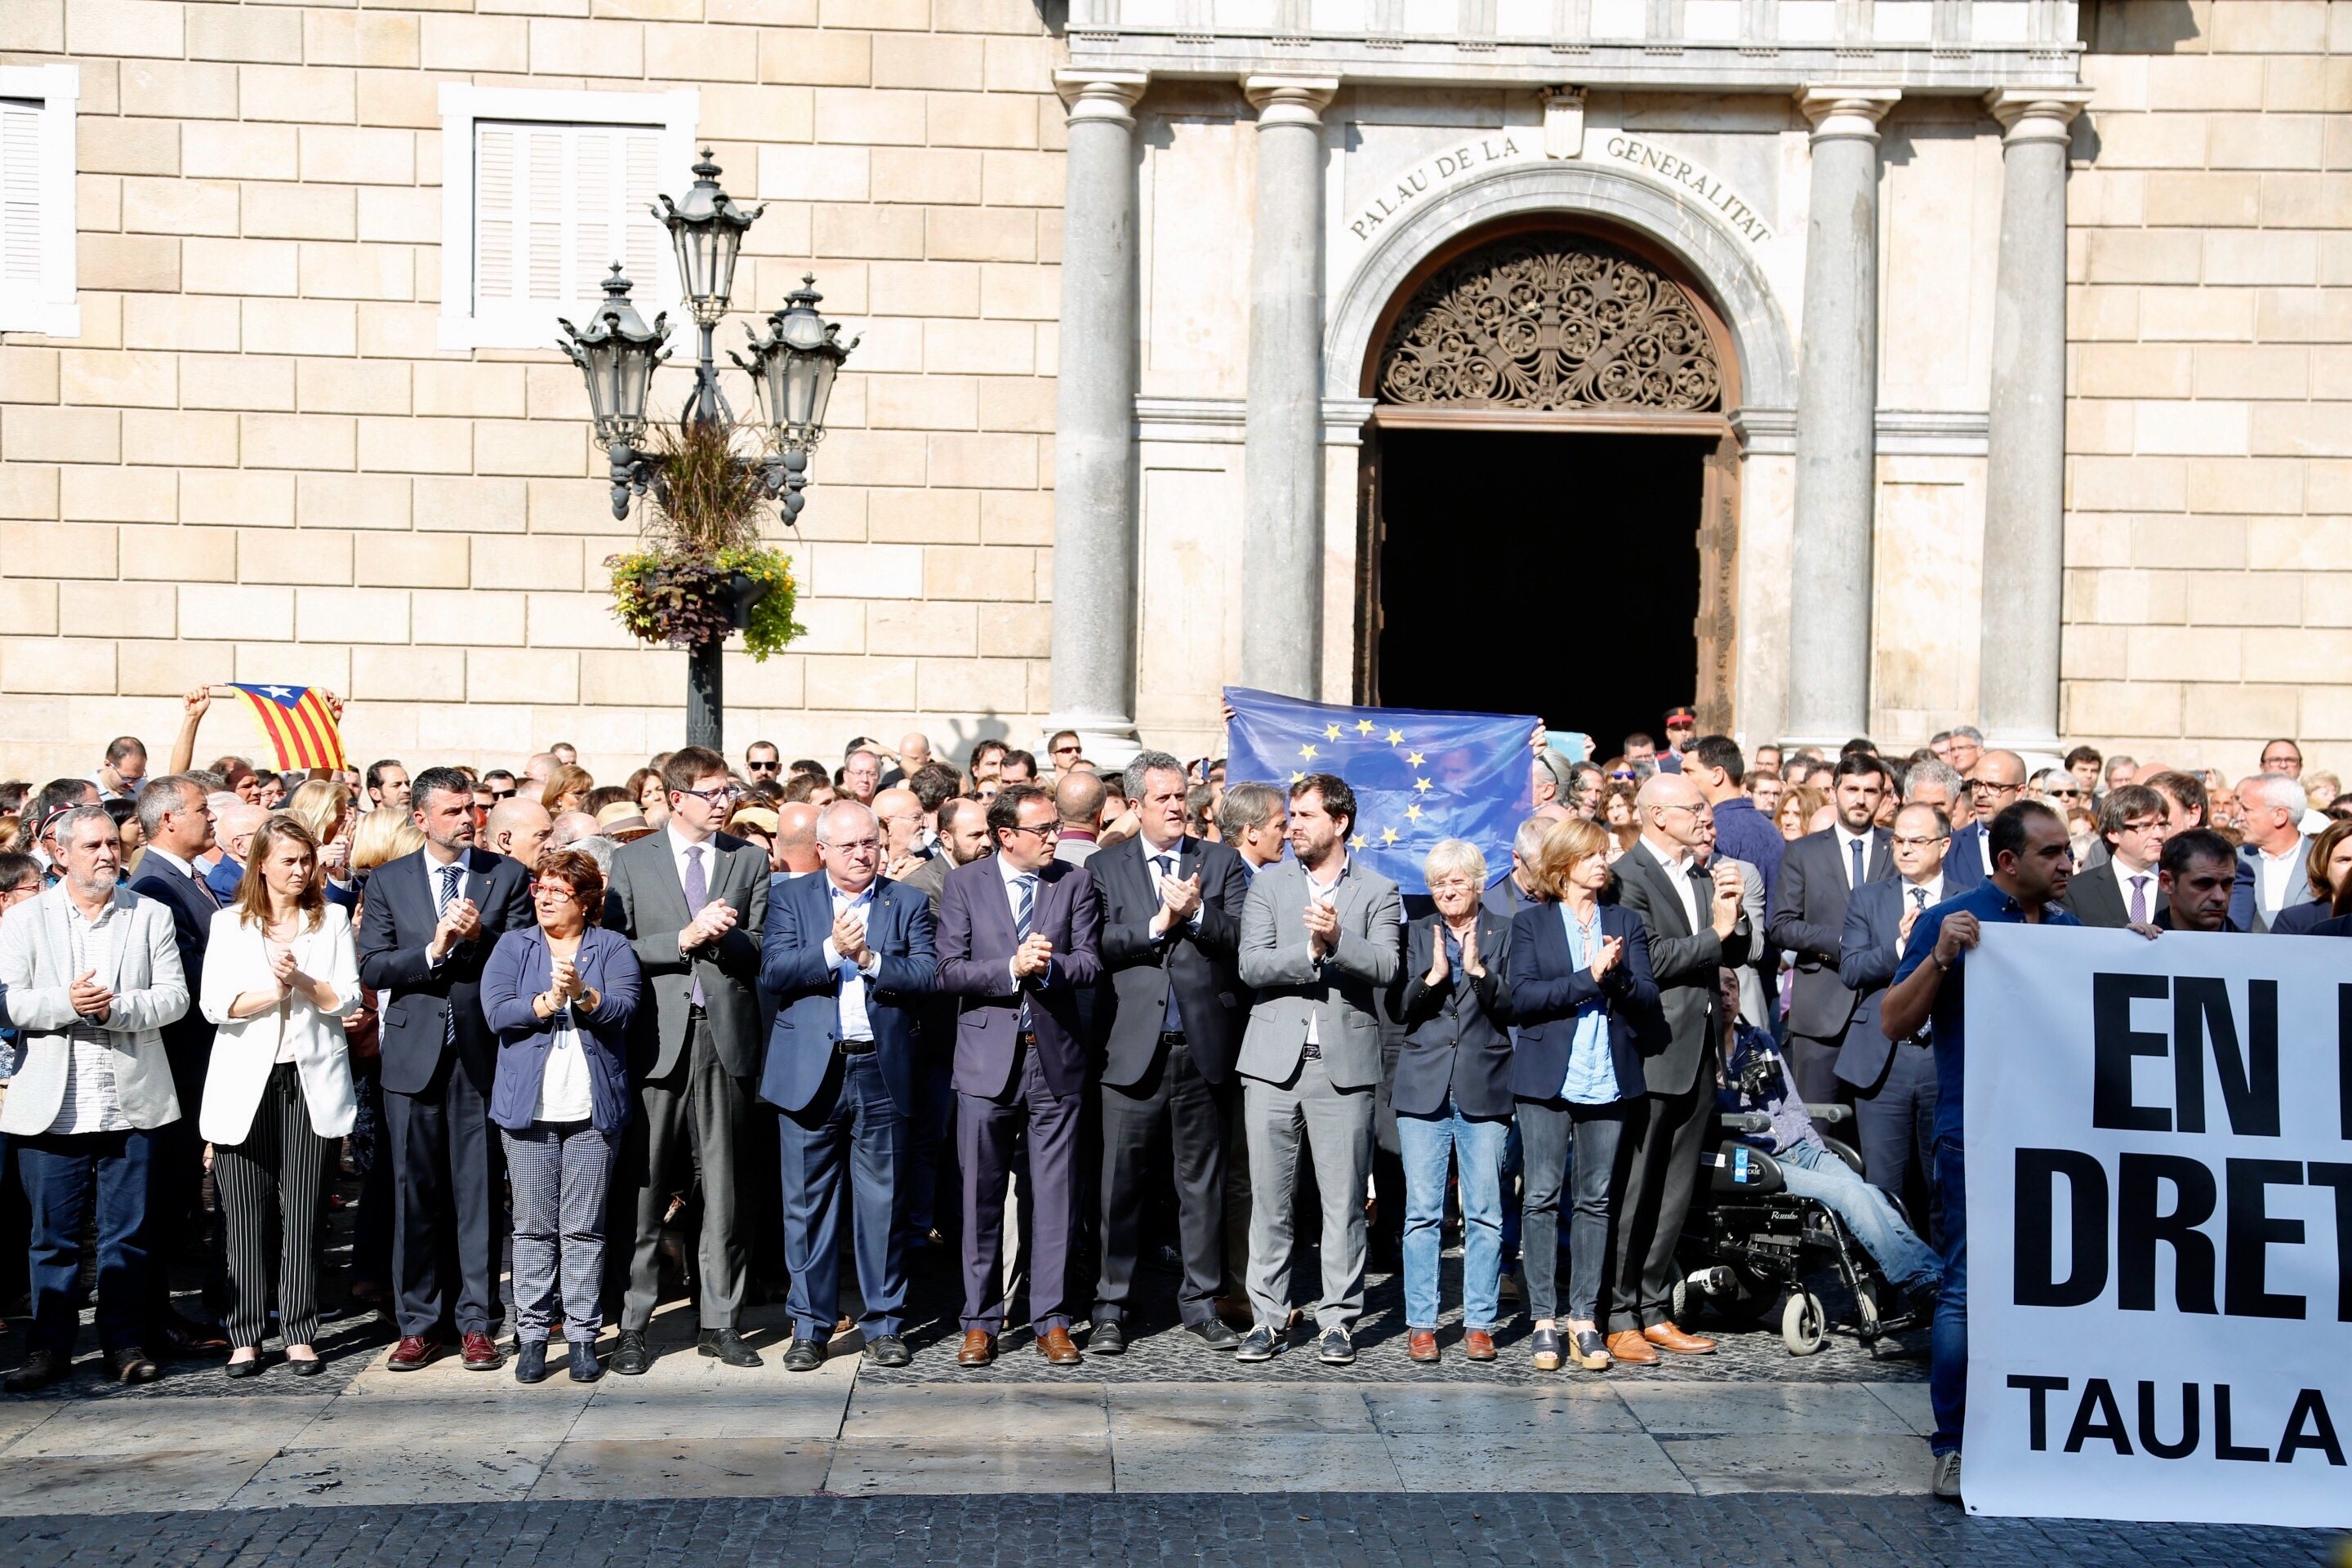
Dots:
pixel 1749 1245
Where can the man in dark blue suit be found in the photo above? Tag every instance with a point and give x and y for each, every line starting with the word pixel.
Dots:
pixel 1995 783
pixel 178 827
pixel 1818 876
pixel 846 959
pixel 1018 942
pixel 1894 1083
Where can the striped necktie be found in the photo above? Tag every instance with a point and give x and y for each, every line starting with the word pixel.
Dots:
pixel 1024 905
pixel 449 875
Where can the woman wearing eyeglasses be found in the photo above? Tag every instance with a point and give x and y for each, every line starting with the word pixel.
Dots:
pixel 560 995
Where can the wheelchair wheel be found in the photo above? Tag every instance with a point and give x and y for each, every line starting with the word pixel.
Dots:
pixel 1803 1322
pixel 1866 1306
pixel 1682 1303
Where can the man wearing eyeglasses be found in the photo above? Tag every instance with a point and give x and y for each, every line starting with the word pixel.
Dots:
pixel 1893 1082
pixel 1996 783
pixel 2122 889
pixel 1018 941
pixel 848 959
pixel 693 902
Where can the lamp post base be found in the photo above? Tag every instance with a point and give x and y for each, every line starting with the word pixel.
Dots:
pixel 706 701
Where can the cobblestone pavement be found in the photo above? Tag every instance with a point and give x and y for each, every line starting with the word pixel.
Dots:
pixel 1278 1531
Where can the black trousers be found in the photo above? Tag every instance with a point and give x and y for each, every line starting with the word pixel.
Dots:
pixel 446 1177
pixel 1661 1172
pixel 175 1193
pixel 1171 1106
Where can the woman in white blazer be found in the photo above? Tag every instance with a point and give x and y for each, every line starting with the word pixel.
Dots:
pixel 280 973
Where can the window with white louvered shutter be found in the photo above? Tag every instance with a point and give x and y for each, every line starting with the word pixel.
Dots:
pixel 550 194
pixel 37 200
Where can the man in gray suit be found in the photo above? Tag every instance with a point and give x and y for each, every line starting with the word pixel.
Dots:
pixel 92 975
pixel 1321 938
pixel 693 902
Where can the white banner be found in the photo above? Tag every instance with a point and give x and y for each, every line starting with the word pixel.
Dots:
pixel 2159 1152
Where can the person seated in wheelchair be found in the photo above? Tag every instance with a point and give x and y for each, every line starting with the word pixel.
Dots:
pixel 1753 1077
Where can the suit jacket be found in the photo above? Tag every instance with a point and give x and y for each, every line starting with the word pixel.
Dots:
pixel 520 967
pixel 150 991
pixel 1874 919
pixel 1964 860
pixel 976 946
pixel 224 878
pixel 1456 1039
pixel 1548 985
pixel 2097 898
pixel 1809 924
pixel 648 905
pixel 1503 900
pixel 2246 912
pixel 245 1050
pixel 806 989
pixel 2304 919
pixel 927 879
pixel 1277 962
pixel 187 1041
pixel 1193 958
pixel 1679 1033
pixel 396 927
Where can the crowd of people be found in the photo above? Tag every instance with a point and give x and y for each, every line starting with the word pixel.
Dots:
pixel 820 1010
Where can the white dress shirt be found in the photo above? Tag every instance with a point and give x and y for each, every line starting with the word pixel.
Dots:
pixel 2151 900
pixel 1328 895
pixel 1012 876
pixel 856 1025
pixel 1676 860
pixel 1846 840
pixel 2273 877
pixel 1933 888
pixel 92 1103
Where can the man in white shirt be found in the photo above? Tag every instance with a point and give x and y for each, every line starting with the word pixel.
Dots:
pixel 2276 850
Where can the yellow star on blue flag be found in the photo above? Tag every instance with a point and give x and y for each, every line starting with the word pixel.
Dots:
pixel 1460 775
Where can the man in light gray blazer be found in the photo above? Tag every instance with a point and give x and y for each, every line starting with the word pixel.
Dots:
pixel 692 901
pixel 1321 938
pixel 92 975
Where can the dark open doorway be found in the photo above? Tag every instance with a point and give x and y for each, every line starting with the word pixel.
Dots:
pixel 1544 573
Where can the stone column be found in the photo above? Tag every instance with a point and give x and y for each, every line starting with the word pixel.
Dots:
pixel 1282 458
pixel 2024 538
pixel 1837 407
pixel 1094 437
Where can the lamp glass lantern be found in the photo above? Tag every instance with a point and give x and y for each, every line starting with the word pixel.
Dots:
pixel 794 367
pixel 706 230
pixel 617 356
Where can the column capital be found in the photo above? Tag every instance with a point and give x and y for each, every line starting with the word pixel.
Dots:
pixel 1846 110
pixel 1101 94
pixel 2037 113
pixel 1289 100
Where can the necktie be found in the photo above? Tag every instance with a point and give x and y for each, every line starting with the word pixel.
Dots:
pixel 449 875
pixel 1171 1019
pixel 204 888
pixel 2139 901
pixel 1855 844
pixel 1918 898
pixel 697 893
pixel 1025 904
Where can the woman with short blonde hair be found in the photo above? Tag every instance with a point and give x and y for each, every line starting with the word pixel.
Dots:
pixel 383 836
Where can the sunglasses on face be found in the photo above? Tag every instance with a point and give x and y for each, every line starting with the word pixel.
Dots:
pixel 764 767
pixel 497 794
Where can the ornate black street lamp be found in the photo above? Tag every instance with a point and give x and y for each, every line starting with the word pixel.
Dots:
pixel 793 369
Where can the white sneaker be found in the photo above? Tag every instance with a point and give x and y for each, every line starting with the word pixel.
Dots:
pixel 1946 1480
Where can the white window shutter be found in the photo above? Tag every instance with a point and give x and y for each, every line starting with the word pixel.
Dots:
pixel 20 193
pixel 494 215
pixel 549 213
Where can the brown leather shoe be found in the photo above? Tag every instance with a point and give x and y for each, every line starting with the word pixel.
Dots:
pixel 413 1351
pixel 979 1348
pixel 1056 1346
pixel 1667 1336
pixel 1422 1346
pixel 1631 1349
pixel 481 1353
pixel 1477 1344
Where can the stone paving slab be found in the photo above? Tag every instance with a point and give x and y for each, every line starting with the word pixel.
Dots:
pixel 196 1477
pixel 1270 1531
pixel 1802 1462
pixel 733 1466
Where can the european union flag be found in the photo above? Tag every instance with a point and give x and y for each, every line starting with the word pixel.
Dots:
pixel 1418 776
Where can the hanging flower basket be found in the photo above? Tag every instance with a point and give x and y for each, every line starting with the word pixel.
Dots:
pixel 702 571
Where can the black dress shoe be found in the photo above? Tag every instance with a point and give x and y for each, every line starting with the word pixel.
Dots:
pixel 305 1366
pixel 1213 1334
pixel 41 1369
pixel 244 1368
pixel 806 1356
pixel 727 1346
pixel 887 1350
pixel 629 1357
pixel 1109 1338
pixel 130 1365
pixel 583 1363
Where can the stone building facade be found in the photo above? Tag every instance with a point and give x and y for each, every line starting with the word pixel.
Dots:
pixel 1667 307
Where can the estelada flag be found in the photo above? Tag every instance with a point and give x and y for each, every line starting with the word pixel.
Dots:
pixel 298 723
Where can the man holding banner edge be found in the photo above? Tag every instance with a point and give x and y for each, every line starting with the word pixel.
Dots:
pixel 2032 864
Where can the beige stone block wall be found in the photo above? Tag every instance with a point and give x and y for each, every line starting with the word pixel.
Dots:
pixel 2209 546
pixel 256 464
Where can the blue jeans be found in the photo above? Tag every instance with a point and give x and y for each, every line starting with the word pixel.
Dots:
pixel 63 1174
pixel 1947 1376
pixel 1811 1171
pixel 1427 1142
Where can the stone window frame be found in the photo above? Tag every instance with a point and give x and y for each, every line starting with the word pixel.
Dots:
pixel 52 308
pixel 676 114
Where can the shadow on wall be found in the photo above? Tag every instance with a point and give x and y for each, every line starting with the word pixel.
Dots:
pixel 2130 26
pixel 1054 14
